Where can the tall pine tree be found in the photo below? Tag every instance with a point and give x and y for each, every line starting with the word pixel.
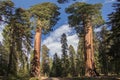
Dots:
pixel 64 57
pixel 114 38
pixel 72 60
pixel 45 60
pixel 80 69
pixel 56 70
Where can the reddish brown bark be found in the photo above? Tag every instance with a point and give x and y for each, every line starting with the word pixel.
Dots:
pixel 89 52
pixel 35 70
pixel 37 42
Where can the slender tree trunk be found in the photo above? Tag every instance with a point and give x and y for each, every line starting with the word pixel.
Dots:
pixel 10 63
pixel 89 52
pixel 36 60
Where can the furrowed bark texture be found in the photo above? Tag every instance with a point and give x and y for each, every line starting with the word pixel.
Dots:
pixel 35 70
pixel 89 50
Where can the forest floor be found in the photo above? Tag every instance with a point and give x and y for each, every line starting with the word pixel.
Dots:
pixel 72 78
pixel 85 78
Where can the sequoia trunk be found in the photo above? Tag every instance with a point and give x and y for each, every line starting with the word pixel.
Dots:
pixel 36 60
pixel 89 53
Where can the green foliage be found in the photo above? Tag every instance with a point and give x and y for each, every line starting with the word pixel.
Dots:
pixel 45 60
pixel 64 58
pixel 5 10
pixel 3 60
pixel 72 58
pixel 115 35
pixel 56 70
pixel 17 33
pixel 47 14
pixel 80 12
pixel 80 64
pixel 114 38
pixel 103 50
pixel 64 44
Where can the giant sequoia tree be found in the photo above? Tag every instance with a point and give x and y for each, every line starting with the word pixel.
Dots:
pixel 46 16
pixel 16 32
pixel 6 13
pixel 86 16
